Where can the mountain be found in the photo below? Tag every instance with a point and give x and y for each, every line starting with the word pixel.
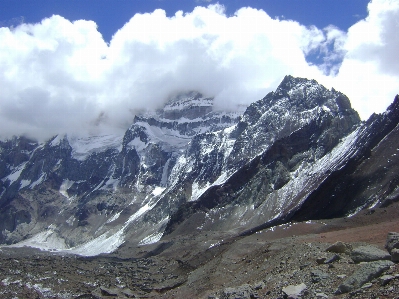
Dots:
pixel 67 191
pixel 299 153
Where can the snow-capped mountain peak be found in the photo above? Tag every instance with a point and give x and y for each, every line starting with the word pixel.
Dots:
pixel 236 171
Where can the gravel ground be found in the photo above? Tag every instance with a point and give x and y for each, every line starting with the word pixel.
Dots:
pixel 211 264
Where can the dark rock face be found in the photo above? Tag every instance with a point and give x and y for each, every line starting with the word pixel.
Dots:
pixel 373 163
pixel 299 153
pixel 359 172
pixel 298 124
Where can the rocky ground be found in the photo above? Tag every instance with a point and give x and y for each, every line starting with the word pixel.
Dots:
pixel 290 261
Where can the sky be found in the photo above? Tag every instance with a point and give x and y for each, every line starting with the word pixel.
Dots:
pixel 85 67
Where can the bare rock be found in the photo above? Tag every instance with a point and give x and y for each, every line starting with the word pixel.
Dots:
pixel 128 293
pixel 392 241
pixel 364 274
pixel 295 291
pixel 395 255
pixel 318 275
pixel 245 292
pixel 368 254
pixel 367 285
pixel 332 259
pixel 339 247
pixel 385 279
pixel 259 285
pixel 109 291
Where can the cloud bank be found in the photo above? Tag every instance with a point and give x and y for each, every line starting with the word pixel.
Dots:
pixel 62 77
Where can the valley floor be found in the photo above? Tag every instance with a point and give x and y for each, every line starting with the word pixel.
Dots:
pixel 201 265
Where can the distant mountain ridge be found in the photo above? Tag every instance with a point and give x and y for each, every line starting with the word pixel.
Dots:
pixel 295 154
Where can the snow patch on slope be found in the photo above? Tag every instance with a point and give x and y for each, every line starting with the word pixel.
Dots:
pixel 14 176
pixel 105 243
pixel 66 184
pixel 168 138
pixel 56 141
pixel 188 102
pixel 82 148
pixel 40 180
pixel 153 238
pixel 158 191
pixel 46 240
pixel 309 176
pixel 24 183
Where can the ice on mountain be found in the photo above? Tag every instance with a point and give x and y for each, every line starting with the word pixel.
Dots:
pixel 41 179
pixel 105 243
pixel 158 191
pixel 111 184
pixel 137 144
pixel 56 141
pixel 14 176
pixel 45 240
pixel 82 148
pixel 24 183
pixel 198 190
pixel 70 220
pixel 153 238
pixel 189 102
pixel 114 217
pixel 66 184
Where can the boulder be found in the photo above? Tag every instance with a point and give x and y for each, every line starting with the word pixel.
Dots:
pixel 395 255
pixel 244 291
pixel 102 292
pixel 367 285
pixel 109 291
pixel 317 276
pixel 368 254
pixel 385 279
pixel 295 291
pixel 129 293
pixel 392 241
pixel 364 274
pixel 332 259
pixel 259 285
pixel 339 247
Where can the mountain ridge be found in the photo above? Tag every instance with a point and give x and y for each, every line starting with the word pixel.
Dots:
pixel 187 167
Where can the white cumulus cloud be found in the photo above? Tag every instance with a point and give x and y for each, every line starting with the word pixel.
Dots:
pixel 369 73
pixel 62 77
